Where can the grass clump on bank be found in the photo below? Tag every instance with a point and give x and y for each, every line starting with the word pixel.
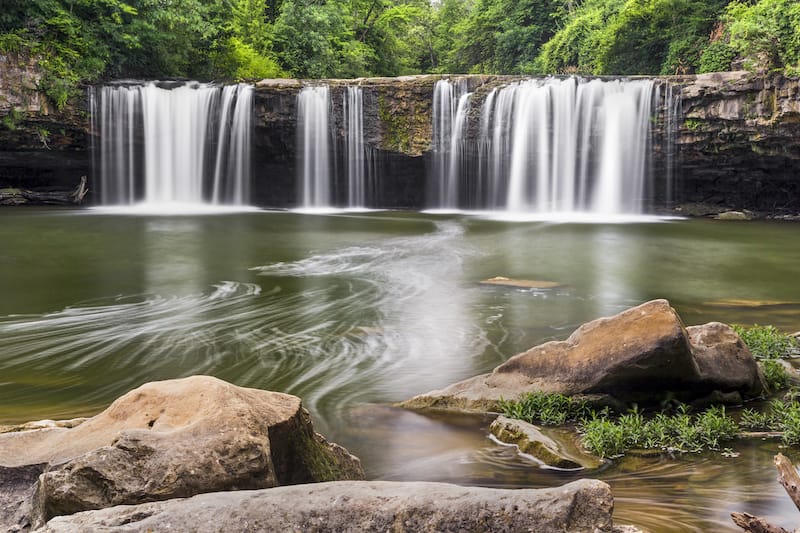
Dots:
pixel 781 416
pixel 768 345
pixel 549 409
pixel 767 342
pixel 682 432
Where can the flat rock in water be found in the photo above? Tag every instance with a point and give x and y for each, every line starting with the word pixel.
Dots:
pixel 732 302
pixel 580 506
pixel 521 283
pixel 643 355
pixel 735 215
pixel 174 439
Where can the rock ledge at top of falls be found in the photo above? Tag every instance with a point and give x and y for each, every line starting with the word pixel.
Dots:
pixel 163 440
pixel 643 355
pixel 580 506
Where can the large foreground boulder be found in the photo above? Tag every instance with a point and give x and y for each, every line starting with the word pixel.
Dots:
pixel 581 506
pixel 643 355
pixel 175 439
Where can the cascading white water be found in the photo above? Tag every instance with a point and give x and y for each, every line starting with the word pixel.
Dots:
pixel 450 106
pixel 353 110
pixel 189 144
pixel 314 156
pixel 553 146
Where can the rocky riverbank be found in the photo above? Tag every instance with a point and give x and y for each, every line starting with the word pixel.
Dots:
pixel 159 457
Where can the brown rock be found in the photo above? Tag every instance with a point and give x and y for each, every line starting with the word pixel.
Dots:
pixel 642 355
pixel 175 439
pixel 724 361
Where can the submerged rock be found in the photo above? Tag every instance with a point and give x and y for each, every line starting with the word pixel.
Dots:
pixel 580 506
pixel 643 355
pixel 175 439
pixel 532 441
pixel 735 215
pixel 521 283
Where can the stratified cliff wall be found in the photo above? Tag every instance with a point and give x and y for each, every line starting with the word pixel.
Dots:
pixel 739 141
pixel 40 146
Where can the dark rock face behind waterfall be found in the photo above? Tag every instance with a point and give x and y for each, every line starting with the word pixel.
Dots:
pixel 41 147
pixel 737 138
pixel 739 141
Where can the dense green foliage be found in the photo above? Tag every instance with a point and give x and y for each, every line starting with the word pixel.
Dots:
pixel 87 40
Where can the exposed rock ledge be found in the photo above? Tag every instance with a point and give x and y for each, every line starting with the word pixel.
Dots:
pixel 581 506
pixel 164 440
pixel 643 355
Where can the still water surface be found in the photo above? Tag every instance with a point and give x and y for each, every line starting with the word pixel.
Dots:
pixel 355 311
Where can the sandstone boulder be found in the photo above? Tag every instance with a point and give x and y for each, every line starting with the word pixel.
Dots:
pixel 643 355
pixel 175 439
pixel 581 506
pixel 723 360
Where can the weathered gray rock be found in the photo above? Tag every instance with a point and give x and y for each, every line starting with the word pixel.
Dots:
pixel 584 505
pixel 16 491
pixel 532 441
pixel 642 355
pixel 174 439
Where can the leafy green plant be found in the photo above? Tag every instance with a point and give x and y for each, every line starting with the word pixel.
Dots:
pixel 767 342
pixel 12 120
pixel 680 432
pixel 717 57
pixel 544 408
pixel 753 420
pixel 775 374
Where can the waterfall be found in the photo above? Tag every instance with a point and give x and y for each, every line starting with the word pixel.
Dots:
pixel 160 146
pixel 314 139
pixel 546 146
pixel 450 107
pixel 353 111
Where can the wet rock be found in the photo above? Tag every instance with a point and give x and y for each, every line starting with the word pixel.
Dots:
pixel 521 283
pixel 44 424
pixel 734 215
pixel 643 355
pixel 584 505
pixel 532 441
pixel 174 439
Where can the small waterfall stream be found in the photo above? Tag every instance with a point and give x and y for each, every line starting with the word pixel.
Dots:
pixel 450 106
pixel 314 141
pixel 188 144
pixel 357 169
